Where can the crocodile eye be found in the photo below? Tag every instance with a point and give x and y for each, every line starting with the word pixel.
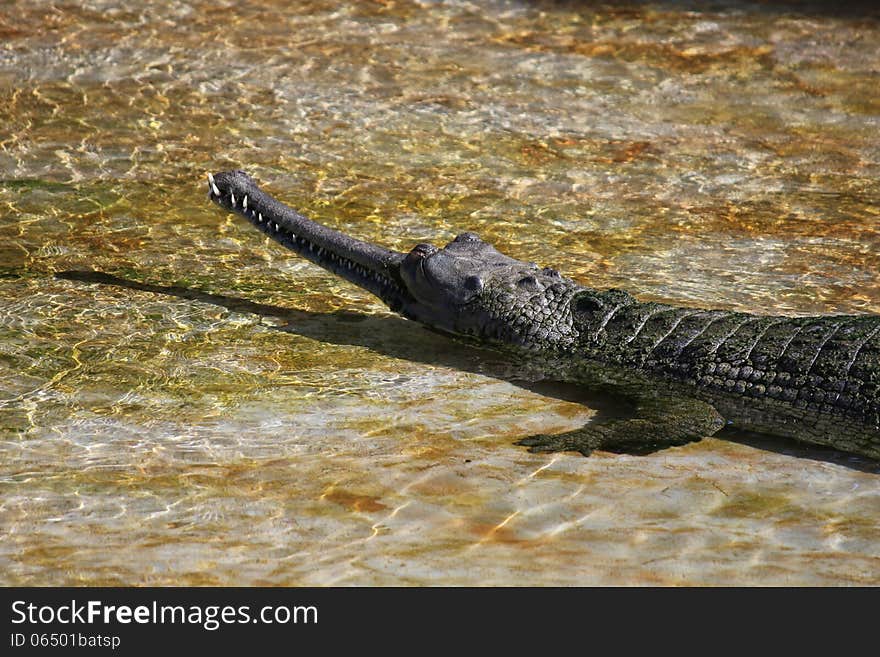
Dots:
pixel 423 250
pixel 473 283
pixel 467 237
pixel 527 282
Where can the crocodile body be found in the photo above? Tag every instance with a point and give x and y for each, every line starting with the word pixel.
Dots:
pixel 685 371
pixel 814 379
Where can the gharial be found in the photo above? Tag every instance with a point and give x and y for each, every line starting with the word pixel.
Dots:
pixel 685 371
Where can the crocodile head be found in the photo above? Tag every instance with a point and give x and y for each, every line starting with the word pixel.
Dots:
pixel 470 288
pixel 466 287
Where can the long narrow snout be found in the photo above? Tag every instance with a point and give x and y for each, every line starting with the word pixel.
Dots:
pixel 368 266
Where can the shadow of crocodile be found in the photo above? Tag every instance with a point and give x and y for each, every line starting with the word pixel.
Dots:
pixel 396 337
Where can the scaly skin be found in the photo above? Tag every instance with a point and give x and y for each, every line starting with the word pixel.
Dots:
pixel 686 371
pixel 814 379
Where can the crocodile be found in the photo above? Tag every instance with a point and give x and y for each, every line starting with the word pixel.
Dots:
pixel 682 373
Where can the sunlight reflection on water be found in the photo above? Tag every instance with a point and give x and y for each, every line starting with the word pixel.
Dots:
pixel 288 430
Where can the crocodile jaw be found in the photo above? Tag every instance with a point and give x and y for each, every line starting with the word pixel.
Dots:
pixel 368 266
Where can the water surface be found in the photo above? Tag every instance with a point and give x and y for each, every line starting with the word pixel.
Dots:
pixel 212 410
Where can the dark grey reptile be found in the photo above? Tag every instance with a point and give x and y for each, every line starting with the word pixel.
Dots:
pixel 685 371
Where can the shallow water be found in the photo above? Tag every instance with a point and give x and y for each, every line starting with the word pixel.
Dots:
pixel 212 410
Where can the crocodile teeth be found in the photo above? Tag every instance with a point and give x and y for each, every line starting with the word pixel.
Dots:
pixel 213 185
pixel 260 217
pixel 232 197
pixel 244 202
